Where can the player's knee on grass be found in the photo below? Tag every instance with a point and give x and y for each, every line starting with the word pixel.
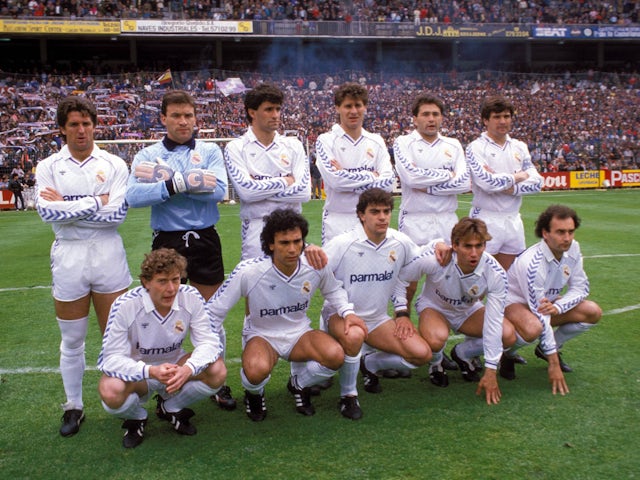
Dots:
pixel 215 374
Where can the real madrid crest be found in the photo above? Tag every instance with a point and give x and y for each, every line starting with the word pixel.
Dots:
pixel 101 177
pixel 566 271
pixel 474 290
pixel 196 159
pixel 178 327
pixel 392 256
pixel 306 287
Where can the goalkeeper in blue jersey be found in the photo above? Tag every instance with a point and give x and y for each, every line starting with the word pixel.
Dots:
pixel 183 179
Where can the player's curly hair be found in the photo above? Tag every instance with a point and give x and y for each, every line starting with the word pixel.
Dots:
pixel 265 92
pixel 353 90
pixel 561 212
pixel 281 220
pixel 162 260
pixel 73 103
pixel 467 227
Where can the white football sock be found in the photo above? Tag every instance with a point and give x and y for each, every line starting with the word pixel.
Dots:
pixel 130 409
pixel 568 331
pixel 72 360
pixel 384 361
pixel 191 392
pixel 349 376
pixel 471 347
pixel 250 387
pixel 311 374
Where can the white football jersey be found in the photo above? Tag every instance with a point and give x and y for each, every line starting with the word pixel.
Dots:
pixel 277 304
pixel 453 293
pixel 431 174
pixel 536 274
pixel 81 215
pixel 365 163
pixel 137 336
pixel 369 272
pixel 256 172
pixel 492 167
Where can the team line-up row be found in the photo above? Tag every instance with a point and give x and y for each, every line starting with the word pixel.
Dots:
pixel 479 279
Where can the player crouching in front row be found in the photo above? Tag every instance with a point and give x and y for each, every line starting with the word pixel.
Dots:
pixel 278 287
pixel 142 349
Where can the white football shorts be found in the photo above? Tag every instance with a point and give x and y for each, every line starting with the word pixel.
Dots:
pixel 97 265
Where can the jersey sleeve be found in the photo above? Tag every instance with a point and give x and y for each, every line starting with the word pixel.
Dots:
pixel 249 189
pixel 333 293
pixel 204 336
pixel 534 183
pixel 115 211
pixel 62 212
pixel 410 174
pixel 494 314
pixel 300 189
pixel 531 281
pixel 461 180
pixel 346 181
pixel 141 194
pixel 115 357
pixel 577 287
pixel 229 293
pixel 482 178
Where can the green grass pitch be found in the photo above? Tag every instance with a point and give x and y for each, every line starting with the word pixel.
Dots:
pixel 412 430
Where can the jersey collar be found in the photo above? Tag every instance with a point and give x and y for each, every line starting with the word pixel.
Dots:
pixel 171 145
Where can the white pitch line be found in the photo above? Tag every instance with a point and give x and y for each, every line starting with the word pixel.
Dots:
pixel 616 311
pixel 24 370
pixel 613 255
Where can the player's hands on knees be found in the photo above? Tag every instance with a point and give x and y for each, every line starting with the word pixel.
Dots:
pixel 152 172
pixel 198 180
pixel 557 381
pixel 489 383
pixel 182 374
pixel 351 321
pixel 163 372
pixel 404 328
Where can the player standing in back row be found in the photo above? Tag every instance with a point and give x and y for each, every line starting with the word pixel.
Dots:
pixel 351 160
pixel 81 193
pixel 501 173
pixel 268 170
pixel 183 179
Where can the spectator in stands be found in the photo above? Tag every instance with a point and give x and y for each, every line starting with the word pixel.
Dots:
pixel 15 185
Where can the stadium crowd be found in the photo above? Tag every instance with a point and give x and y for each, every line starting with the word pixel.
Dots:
pixel 570 121
pixel 622 12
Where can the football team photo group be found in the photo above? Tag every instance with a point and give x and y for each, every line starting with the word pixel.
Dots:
pixel 458 296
